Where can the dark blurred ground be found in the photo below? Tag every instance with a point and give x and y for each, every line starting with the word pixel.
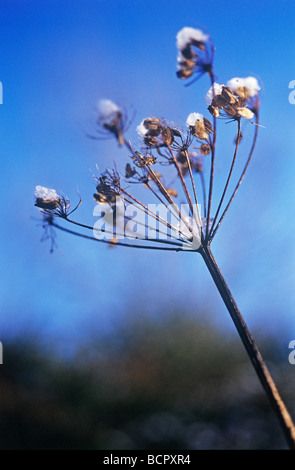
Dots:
pixel 171 385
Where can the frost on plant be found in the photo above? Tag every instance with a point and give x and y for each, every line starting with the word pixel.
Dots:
pixel 183 155
pixel 163 199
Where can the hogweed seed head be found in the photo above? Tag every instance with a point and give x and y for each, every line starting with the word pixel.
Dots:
pixel 193 118
pixel 189 36
pixel 155 133
pixel 215 90
pixel 111 118
pixel 199 126
pixel 205 149
pixel 166 145
pixel 195 53
pixel 141 130
pixel 234 99
pixel 244 87
pixel 46 198
pixel 51 203
pixel 108 112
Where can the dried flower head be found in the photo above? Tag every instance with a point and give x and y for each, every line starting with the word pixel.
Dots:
pixel 247 89
pixel 108 112
pixel 193 118
pixel 183 151
pixel 195 53
pixel 215 90
pixel 199 126
pixel 111 118
pixel 188 37
pixel 244 87
pixel 165 225
pixel 148 130
pixel 205 149
pixel 51 203
pixel 226 101
pixel 154 132
pixel 46 198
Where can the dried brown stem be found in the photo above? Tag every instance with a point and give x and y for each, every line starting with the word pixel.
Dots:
pixel 115 243
pixel 228 178
pixel 213 145
pixel 251 348
pixel 241 177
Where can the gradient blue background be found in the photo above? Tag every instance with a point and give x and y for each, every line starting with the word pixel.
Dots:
pixel 57 59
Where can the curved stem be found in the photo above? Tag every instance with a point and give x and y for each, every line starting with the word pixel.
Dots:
pixel 89 227
pixel 110 242
pixel 251 348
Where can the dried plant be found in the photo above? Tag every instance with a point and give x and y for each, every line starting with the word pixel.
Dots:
pixel 155 219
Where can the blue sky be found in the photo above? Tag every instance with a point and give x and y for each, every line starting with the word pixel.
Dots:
pixel 58 58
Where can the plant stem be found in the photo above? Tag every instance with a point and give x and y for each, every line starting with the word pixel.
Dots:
pixel 212 235
pixel 213 145
pixel 251 348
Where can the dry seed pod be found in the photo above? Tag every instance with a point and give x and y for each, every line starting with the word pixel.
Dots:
pixel 129 171
pixel 151 141
pixel 199 130
pixel 228 95
pixel 182 156
pixel 172 192
pixel 205 149
pixel 214 110
pixel 208 125
pixel 46 198
pixel 245 113
pixel 153 124
pixel 103 198
pixel 184 73
pixel 167 136
pixel 150 160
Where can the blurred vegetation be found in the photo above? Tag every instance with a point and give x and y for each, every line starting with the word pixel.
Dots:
pixel 174 384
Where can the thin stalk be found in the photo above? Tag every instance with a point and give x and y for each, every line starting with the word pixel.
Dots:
pixel 110 242
pixel 213 145
pixel 240 179
pixel 251 348
pixel 193 186
pixel 149 212
pixel 228 178
pixel 163 190
pixel 204 191
pixel 183 183
pixel 157 240
pixel 160 199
